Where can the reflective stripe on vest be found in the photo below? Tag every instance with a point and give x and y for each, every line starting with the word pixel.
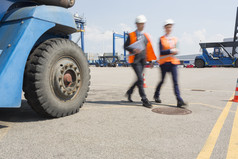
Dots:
pixel 166 56
pixel 150 55
pixel 167 45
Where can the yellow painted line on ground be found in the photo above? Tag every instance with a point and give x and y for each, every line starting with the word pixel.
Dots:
pixel 4 131
pixel 212 139
pixel 233 146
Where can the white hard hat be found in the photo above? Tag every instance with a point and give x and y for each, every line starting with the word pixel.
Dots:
pixel 169 22
pixel 141 19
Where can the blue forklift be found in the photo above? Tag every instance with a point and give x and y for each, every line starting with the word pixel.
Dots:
pixel 221 55
pixel 107 61
pixel 38 57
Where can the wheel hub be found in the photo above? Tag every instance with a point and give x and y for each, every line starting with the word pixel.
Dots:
pixel 66 81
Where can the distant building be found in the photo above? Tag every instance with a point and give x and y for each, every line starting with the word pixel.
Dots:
pixel 110 54
pixel 227 39
pixel 187 59
pixel 120 57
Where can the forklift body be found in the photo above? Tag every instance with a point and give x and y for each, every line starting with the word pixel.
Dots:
pixel 219 57
pixel 38 58
pixel 20 30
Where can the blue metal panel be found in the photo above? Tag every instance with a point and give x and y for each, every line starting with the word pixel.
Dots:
pixel 114 45
pixel 80 23
pixel 186 62
pixel 52 14
pixel 125 37
pixel 115 35
pixel 16 40
pixel 5 4
pixel 118 35
pixel 82 36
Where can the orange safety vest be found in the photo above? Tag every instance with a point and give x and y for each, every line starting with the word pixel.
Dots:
pixel 150 54
pixel 167 46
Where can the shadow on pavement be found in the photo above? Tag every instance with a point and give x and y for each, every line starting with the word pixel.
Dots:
pixel 126 103
pixel 227 101
pixel 166 105
pixel 23 114
pixel 3 126
pixel 114 103
pixel 170 105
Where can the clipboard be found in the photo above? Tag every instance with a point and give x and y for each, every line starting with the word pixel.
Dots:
pixel 138 45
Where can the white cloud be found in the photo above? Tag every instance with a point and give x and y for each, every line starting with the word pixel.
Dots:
pixel 97 41
pixel 200 35
pixel 189 42
pixel 96 35
pixel 125 27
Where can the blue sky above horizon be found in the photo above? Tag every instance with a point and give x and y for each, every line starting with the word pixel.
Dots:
pixel 203 20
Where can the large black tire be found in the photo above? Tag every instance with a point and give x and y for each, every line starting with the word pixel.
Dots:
pixel 61 3
pixel 57 78
pixel 199 63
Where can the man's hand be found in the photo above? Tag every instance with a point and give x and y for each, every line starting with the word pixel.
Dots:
pixel 136 51
pixel 174 51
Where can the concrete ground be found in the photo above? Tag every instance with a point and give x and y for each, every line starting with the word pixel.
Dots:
pixel 108 127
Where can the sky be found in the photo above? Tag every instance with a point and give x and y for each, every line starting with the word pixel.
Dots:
pixel 195 21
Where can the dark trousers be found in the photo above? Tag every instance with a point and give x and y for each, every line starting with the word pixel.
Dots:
pixel 138 68
pixel 169 67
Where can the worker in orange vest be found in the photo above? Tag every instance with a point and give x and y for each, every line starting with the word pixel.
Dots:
pixel 138 57
pixel 168 62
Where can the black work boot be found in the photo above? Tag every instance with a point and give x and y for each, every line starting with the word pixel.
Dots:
pixel 146 103
pixel 128 95
pixel 157 99
pixel 181 104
